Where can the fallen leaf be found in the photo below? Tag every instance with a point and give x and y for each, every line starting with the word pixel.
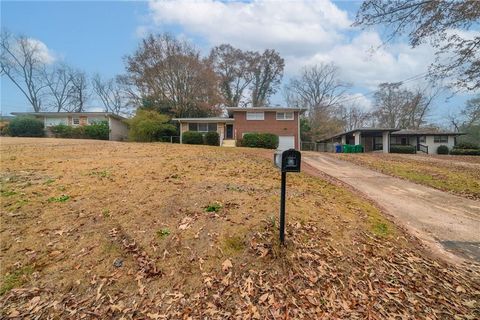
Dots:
pixel 226 265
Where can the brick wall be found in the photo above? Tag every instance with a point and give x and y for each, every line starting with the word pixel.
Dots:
pixel 269 125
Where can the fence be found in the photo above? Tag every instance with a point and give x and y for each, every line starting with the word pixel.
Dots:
pixel 317 146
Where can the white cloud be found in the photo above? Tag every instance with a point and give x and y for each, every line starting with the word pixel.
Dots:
pixel 359 100
pixel 293 27
pixel 42 52
pixel 304 32
pixel 366 62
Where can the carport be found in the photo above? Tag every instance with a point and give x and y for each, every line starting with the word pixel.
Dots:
pixel 372 139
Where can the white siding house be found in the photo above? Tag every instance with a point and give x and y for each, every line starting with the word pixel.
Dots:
pixel 116 123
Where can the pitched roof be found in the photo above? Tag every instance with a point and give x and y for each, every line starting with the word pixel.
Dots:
pixel 280 109
pixel 426 131
pixel 208 119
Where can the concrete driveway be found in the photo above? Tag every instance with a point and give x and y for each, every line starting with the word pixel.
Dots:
pixel 448 224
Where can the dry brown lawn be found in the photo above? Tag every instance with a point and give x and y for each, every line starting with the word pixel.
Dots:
pixel 97 229
pixel 459 175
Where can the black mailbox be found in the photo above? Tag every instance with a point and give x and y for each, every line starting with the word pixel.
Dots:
pixel 291 160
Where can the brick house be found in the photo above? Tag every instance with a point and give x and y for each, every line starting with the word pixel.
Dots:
pixel 116 123
pixel 284 122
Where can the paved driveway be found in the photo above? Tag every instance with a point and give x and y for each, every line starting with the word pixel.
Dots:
pixel 448 224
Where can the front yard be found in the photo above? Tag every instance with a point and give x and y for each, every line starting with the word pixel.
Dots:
pixel 98 229
pixel 459 175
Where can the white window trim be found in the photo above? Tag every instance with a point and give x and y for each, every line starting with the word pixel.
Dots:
pixel 255 113
pixel 284 114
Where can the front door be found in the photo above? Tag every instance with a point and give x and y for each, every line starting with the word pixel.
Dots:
pixel 229 132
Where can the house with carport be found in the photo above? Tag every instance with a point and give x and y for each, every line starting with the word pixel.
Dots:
pixel 281 121
pixel 381 139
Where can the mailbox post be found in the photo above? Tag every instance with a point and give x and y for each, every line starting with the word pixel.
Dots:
pixel 287 161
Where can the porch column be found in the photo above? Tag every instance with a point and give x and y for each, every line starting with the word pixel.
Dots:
pixel 386 142
pixel 358 136
pixel 344 139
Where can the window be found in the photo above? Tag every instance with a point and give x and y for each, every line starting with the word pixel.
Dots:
pixel 202 127
pixel 285 116
pixel 440 139
pixel 255 116
pixel 395 140
pixel 422 139
pixel 55 121
pixel 76 121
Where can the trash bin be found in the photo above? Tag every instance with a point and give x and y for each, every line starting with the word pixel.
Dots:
pixel 358 148
pixel 347 148
pixel 338 148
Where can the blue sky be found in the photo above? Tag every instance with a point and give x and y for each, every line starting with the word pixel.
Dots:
pixel 95 36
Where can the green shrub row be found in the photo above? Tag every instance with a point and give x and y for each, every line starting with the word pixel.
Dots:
pixel 260 140
pixel 467 145
pixel 465 152
pixel 211 138
pixel 99 130
pixel 402 149
pixel 25 127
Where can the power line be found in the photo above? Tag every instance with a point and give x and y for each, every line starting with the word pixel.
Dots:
pixel 413 78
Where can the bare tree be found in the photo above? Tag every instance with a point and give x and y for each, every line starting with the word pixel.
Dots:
pixel 235 69
pixel 267 74
pixel 170 74
pixel 79 93
pixel 21 60
pixel 110 93
pixel 353 116
pixel 397 107
pixel 318 88
pixel 60 85
pixel 440 22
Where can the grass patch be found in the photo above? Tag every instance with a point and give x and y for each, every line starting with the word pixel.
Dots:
pixel 106 213
pixel 62 198
pixel 7 193
pixel 163 233
pixel 49 181
pixel 15 279
pixel 380 229
pixel 233 244
pixel 101 174
pixel 213 207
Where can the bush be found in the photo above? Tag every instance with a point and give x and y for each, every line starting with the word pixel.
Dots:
pixel 212 138
pixel 62 131
pixel 260 140
pixel 443 149
pixel 192 137
pixel 148 125
pixel 466 145
pixel 98 130
pixel 402 149
pixel 465 152
pixel 4 129
pixel 26 127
